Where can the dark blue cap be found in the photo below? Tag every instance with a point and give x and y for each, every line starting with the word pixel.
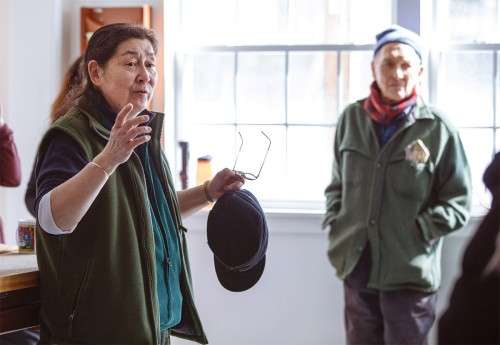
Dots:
pixel 237 235
pixel 399 34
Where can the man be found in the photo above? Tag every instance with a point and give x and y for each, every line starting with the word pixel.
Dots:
pixel 400 182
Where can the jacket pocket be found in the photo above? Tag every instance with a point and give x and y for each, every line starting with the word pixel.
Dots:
pixel 410 180
pixel 82 287
pixel 425 246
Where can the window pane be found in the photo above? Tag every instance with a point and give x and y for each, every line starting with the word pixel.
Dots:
pixel 252 149
pixel 367 18
pixel 497 140
pixel 357 76
pixel 310 154
pixel 208 88
pixel 470 21
pixel 271 184
pixel 308 22
pixel 465 90
pixel 312 88
pixel 283 21
pixel 478 144
pixel 215 141
pixel 497 96
pixel 261 88
pixel 262 21
pixel 208 22
pixel 337 21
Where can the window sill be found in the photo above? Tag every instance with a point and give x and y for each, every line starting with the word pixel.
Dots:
pixel 301 221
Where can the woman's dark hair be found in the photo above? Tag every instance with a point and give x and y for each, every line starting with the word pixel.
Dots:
pixel 72 86
pixel 103 43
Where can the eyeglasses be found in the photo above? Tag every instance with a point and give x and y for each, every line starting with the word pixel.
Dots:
pixel 247 175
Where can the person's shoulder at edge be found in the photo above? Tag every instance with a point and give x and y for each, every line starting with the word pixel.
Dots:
pixel 75 121
pixel 357 104
pixel 354 108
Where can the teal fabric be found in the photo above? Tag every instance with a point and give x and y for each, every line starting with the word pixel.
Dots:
pixel 168 262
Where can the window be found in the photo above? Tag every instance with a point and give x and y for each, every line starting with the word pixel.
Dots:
pixel 288 67
pixel 285 67
pixel 467 62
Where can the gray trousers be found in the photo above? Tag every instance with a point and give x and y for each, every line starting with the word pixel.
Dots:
pixel 401 317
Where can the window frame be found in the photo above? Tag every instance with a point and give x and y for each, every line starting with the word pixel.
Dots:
pixel 337 49
pixel 400 13
pixel 435 73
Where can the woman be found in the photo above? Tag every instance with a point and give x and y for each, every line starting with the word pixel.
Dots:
pixel 111 245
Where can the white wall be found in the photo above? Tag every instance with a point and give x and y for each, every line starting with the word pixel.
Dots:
pixel 30 52
pixel 298 300
pixel 4 33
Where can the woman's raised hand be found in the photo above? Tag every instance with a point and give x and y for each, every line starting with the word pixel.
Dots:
pixel 126 134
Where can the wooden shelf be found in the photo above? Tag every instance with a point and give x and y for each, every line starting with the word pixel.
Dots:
pixel 92 18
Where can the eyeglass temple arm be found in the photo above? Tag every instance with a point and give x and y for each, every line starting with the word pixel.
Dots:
pixel 239 150
pixel 267 151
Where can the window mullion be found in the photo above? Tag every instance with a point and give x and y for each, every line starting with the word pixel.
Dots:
pixel 495 93
pixel 339 75
pixel 235 96
pixel 287 61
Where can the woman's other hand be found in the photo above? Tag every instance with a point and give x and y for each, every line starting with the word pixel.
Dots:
pixel 126 134
pixel 224 181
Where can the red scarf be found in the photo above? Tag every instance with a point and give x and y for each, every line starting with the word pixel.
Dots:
pixel 384 113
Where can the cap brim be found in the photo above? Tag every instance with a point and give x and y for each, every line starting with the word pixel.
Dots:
pixel 239 281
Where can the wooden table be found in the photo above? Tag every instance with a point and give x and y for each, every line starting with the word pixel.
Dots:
pixel 19 292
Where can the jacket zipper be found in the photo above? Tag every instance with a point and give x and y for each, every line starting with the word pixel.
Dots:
pixel 79 294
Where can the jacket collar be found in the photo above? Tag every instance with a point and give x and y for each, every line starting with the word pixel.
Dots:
pixel 422 111
pixel 101 117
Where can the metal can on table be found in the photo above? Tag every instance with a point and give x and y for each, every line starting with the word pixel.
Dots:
pixel 26 235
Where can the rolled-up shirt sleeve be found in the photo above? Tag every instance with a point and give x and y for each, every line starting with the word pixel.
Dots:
pixel 62 160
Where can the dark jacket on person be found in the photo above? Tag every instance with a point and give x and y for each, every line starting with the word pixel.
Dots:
pixel 98 283
pixel 30 194
pixel 473 313
pixel 401 206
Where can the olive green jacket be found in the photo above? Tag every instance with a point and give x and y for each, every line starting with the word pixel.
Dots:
pixel 401 205
pixel 98 283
